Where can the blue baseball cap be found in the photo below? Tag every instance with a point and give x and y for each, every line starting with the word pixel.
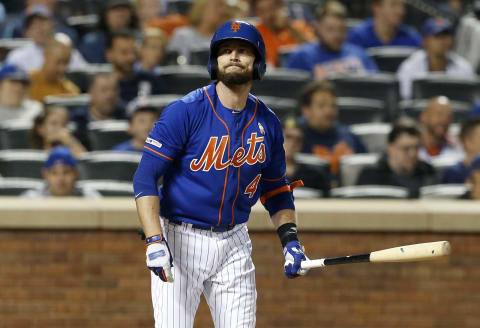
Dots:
pixel 434 26
pixel 36 11
pixel 60 155
pixel 13 72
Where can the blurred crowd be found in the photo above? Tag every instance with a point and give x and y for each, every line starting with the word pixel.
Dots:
pixel 70 69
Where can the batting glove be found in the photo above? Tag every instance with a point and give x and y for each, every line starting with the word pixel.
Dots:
pixel 294 255
pixel 159 257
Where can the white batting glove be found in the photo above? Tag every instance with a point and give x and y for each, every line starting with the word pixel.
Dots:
pixel 159 258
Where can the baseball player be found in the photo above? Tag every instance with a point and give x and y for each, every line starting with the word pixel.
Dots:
pixel 219 149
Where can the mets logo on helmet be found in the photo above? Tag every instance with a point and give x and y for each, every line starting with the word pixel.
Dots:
pixel 235 27
pixel 213 155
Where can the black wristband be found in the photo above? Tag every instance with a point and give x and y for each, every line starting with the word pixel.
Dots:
pixel 287 232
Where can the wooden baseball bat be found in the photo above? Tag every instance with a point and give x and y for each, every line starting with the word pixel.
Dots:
pixel 408 253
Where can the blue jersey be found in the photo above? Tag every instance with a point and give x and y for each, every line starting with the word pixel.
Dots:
pixel 324 63
pixel 220 160
pixel 363 35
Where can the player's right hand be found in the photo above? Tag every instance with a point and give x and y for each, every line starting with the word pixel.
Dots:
pixel 159 260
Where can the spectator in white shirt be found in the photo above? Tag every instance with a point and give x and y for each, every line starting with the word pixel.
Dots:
pixel 38 26
pixel 436 56
pixel 14 89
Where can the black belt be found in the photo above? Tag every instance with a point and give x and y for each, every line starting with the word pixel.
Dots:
pixel 201 227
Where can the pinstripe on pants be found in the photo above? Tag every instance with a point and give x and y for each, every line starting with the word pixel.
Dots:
pixel 217 264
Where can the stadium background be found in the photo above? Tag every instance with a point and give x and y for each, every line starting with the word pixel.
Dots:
pixel 80 263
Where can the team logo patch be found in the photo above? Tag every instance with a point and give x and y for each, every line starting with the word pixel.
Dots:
pixel 153 142
pixel 235 27
pixel 260 126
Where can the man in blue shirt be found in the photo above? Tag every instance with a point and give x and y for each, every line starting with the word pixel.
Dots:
pixel 323 135
pixel 141 123
pixel 385 28
pixel 332 55
pixel 470 137
pixel 122 54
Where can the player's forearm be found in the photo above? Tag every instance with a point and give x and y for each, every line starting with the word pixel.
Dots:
pixel 148 209
pixel 284 216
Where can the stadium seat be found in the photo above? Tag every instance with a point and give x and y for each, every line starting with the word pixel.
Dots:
pixel 183 79
pixel 370 191
pixel 178 6
pixel 388 59
pixel 282 107
pixel 83 78
pixel 7 45
pixel 283 53
pixel 157 101
pixel 69 101
pixel 440 163
pixel 381 86
pixel 352 165
pixel 22 163
pixel 199 56
pixel 314 162
pixel 455 88
pixel 444 191
pixel 359 110
pixel 16 186
pixel 15 134
pixel 108 187
pixel 413 108
pixel 103 135
pixel 373 135
pixel 284 83
pixel 108 165
pixel 307 193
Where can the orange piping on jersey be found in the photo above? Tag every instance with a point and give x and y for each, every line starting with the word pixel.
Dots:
pixel 274 192
pixel 228 157
pixel 158 153
pixel 238 180
pixel 273 180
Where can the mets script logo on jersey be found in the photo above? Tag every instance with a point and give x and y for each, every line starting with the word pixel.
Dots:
pixel 235 27
pixel 213 154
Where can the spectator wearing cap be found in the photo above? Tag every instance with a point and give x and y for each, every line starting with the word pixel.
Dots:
pixel 105 104
pixel 15 24
pixel 324 136
pixel 116 15
pixel 436 56
pixel 470 138
pixel 385 28
pixel 60 173
pixel 141 123
pixel 278 30
pixel 205 17
pixel 39 28
pixel 152 50
pixel 122 54
pixel 332 55
pixel 50 80
pixel 435 121
pixel 14 90
pixel 400 165
pixel 293 143
pixel 50 129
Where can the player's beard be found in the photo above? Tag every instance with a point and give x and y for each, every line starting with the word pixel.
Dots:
pixel 234 78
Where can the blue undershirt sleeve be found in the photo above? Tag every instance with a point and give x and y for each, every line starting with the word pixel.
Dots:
pixel 149 170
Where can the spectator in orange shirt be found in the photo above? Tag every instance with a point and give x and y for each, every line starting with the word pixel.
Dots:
pixel 150 13
pixel 278 30
pixel 50 79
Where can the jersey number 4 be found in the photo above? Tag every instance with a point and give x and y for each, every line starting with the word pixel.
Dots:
pixel 252 186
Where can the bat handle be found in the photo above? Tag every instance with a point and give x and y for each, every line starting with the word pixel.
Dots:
pixel 309 264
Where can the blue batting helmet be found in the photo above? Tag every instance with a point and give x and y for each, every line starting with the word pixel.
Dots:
pixel 238 30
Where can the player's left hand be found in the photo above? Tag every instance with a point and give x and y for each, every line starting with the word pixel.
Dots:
pixel 294 255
